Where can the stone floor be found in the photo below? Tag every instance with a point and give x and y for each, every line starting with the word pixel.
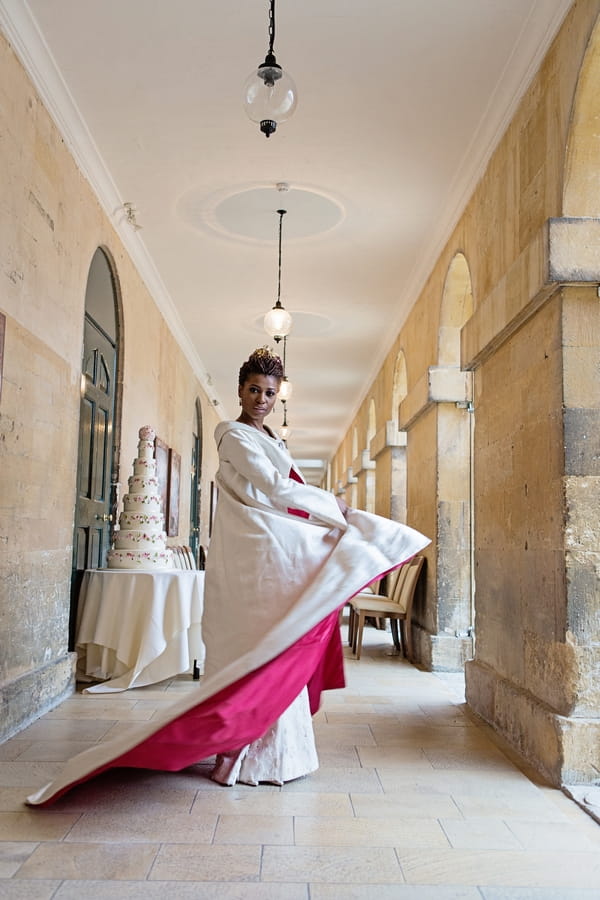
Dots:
pixel 415 799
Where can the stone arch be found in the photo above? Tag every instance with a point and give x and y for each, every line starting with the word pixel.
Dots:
pixel 581 192
pixel 353 498
pixel 96 496
pixel 580 313
pixel 456 309
pixel 399 386
pixel 369 466
pixel 341 473
pixel 371 421
pixel 451 620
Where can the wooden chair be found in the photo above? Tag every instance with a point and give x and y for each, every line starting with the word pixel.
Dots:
pixel 176 556
pixel 372 592
pixel 190 562
pixel 183 558
pixel 397 607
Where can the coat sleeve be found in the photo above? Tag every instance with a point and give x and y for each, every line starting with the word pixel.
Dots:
pixel 254 479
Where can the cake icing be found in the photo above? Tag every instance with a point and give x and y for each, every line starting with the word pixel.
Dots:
pixel 141 541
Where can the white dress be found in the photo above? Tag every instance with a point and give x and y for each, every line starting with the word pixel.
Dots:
pixel 287 751
pixel 281 562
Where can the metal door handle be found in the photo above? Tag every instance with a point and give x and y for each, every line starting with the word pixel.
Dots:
pixel 104 518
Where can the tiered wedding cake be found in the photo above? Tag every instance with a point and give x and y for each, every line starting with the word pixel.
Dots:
pixel 141 542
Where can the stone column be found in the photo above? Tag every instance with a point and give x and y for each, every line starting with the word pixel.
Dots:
pixel 363 470
pixel 444 626
pixel 534 676
pixel 388 450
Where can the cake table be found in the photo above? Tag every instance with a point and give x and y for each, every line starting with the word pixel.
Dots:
pixel 136 628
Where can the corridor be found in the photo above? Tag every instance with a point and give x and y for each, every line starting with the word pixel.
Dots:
pixel 415 799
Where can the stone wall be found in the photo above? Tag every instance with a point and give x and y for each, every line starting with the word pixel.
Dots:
pixel 532 344
pixel 50 227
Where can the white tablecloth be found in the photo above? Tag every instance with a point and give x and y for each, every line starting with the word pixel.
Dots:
pixel 138 628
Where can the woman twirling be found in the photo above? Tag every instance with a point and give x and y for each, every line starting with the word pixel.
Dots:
pixel 284 558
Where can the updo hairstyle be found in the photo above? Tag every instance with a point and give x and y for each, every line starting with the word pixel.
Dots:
pixel 261 362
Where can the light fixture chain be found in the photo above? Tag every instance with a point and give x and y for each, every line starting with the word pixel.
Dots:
pixel 271 26
pixel 282 213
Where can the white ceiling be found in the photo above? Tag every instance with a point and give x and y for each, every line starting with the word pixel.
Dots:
pixel 400 105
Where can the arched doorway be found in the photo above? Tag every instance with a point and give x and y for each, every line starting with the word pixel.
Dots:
pixel 388 448
pixel 369 465
pixel 455 425
pixel 97 475
pixel 443 398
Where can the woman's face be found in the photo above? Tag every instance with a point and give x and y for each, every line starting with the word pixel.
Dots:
pixel 258 395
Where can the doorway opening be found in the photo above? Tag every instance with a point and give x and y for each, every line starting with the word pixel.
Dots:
pixel 97 473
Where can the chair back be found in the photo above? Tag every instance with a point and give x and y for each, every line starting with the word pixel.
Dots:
pixel 405 588
pixel 399 576
pixel 190 562
pixel 183 558
pixel 176 556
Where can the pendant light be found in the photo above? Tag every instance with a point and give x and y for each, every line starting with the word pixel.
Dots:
pixel 269 92
pixel 278 322
pixel 284 431
pixel 285 388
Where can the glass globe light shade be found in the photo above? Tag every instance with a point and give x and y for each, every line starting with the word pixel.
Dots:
pixel 278 322
pixel 270 96
pixel 285 389
pixel 284 432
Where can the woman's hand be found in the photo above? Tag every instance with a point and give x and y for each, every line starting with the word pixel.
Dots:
pixel 343 506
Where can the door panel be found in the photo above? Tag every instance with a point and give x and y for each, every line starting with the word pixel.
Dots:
pixel 92 529
pixel 95 451
pixel 92 533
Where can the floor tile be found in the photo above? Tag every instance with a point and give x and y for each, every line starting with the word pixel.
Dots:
pixel 480 834
pixel 28 775
pixel 46 729
pixel 368 831
pixel 509 803
pixel 336 779
pixel 13 749
pixel 480 758
pixel 256 829
pixel 191 890
pixel 410 804
pixel 538 893
pixel 501 867
pixel 553 836
pixel 345 757
pixel 391 892
pixel 36 825
pixel 186 862
pixel 12 799
pixel 282 803
pixel 13 855
pixel 331 864
pixel 58 860
pixel 86 710
pixel 397 757
pixel 131 791
pixel 338 737
pixel 58 750
pixel 15 889
pixel 154 824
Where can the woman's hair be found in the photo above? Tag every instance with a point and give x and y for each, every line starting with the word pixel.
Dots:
pixel 261 362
